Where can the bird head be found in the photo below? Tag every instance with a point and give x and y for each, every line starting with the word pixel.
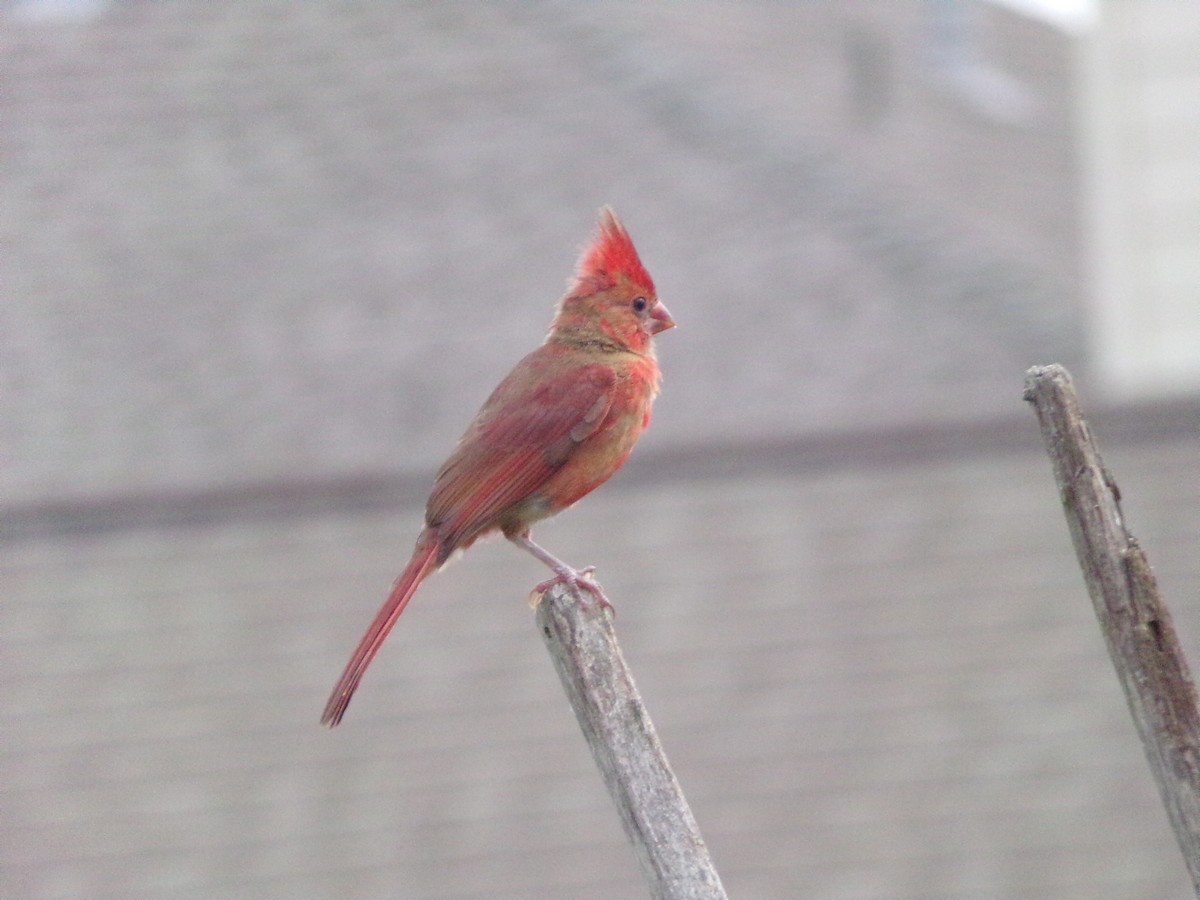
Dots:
pixel 612 297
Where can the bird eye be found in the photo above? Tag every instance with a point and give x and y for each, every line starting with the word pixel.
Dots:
pixel 640 304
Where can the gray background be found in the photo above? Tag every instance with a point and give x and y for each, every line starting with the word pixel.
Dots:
pixel 261 262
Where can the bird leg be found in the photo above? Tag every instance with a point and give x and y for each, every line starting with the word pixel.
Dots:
pixel 563 574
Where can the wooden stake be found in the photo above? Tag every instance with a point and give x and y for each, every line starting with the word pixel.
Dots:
pixel 617 727
pixel 1136 623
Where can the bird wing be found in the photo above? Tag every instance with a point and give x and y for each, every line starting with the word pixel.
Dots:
pixel 524 433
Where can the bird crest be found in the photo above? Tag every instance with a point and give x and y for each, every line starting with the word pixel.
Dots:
pixel 610 255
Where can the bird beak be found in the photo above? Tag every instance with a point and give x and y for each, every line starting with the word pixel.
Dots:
pixel 660 319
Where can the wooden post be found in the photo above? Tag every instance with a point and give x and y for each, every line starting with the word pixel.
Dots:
pixel 1136 624
pixel 653 810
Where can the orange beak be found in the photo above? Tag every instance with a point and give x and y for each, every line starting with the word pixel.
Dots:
pixel 660 319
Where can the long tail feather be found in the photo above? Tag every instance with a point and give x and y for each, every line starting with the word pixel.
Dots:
pixel 421 564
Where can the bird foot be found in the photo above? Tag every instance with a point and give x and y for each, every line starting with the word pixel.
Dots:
pixel 575 580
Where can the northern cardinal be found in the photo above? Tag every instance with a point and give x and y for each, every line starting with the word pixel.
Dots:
pixel 561 423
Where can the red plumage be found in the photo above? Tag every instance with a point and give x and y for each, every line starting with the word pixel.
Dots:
pixel 558 426
pixel 610 256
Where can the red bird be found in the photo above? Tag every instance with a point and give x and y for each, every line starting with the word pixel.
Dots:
pixel 559 426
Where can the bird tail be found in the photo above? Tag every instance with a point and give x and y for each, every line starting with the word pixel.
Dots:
pixel 424 560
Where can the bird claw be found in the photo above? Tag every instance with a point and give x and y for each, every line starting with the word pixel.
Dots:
pixel 575 580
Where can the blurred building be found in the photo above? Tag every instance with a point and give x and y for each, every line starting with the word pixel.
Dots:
pixel 261 262
pixel 1139 138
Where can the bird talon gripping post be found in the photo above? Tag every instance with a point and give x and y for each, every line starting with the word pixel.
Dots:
pixel 556 428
